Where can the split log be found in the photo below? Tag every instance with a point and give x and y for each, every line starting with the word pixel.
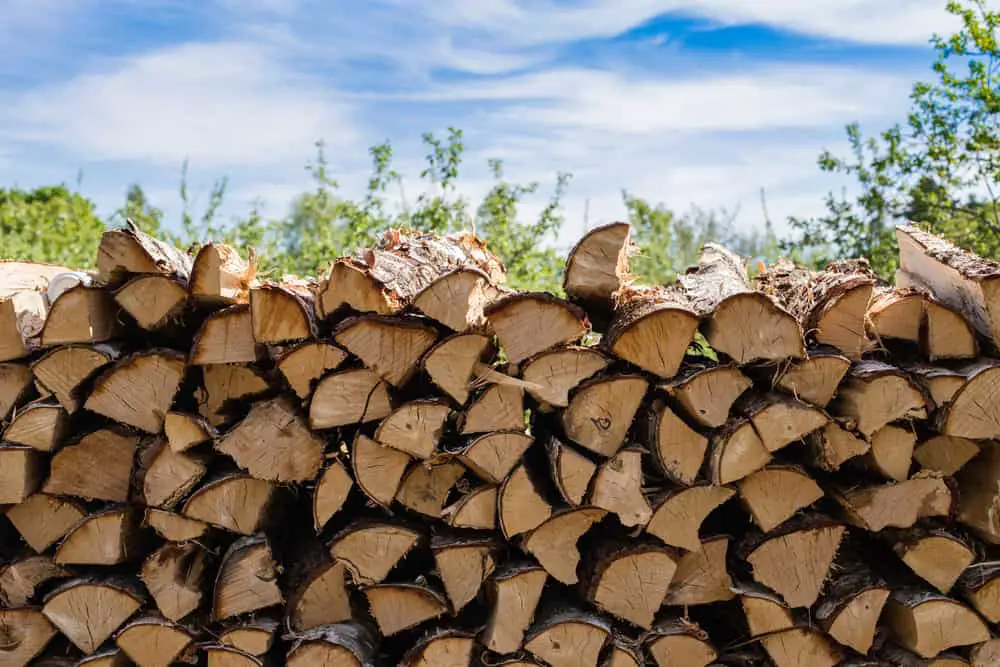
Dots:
pixel 476 510
pixel 571 471
pixel 463 564
pixel 152 641
pixel 568 638
pixel 515 590
pixel 891 453
pixel 554 543
pixel 398 607
pixel 678 450
pixel 529 323
pixel 617 488
pixel 707 394
pixel 850 610
pixel 415 427
pixel 22 470
pixel 306 363
pixel 458 299
pixel 765 612
pixel 680 513
pixel 898 504
pixel 652 328
pixel 945 454
pixel 445 647
pixel 834 445
pixel 936 556
pixel 129 250
pixel 701 576
pixel 113 657
pixel 17 276
pixel 15 387
pixel 378 470
pixel 22 578
pixel 332 488
pixel 779 420
pixel 22 317
pixel 174 527
pixel 139 389
pixel 956 277
pixel 499 407
pixel 41 425
pixel 795 561
pixel 43 520
pixel 89 612
pixel 492 457
pixel 321 596
pixel 736 451
pixel 167 476
pixel 225 386
pixel 154 301
pixel 896 313
pixel 24 634
pixel 254 636
pixel 348 397
pixel 623 652
pixel 391 347
pixel 219 276
pixel 520 505
pixel 980 585
pixel 986 654
pixel 225 337
pixel 940 384
pixel 597 267
pixel 97 467
pixel 282 313
pixel 371 550
pixel 830 305
pixel 185 431
pixel 678 642
pixel 107 537
pixel 773 495
pixel 339 645
pixel 247 579
pixel 425 487
pixel 744 324
pixel 237 503
pixel 928 624
pixel 972 413
pixel 875 394
pixel 814 379
pixel 601 412
pixel 350 284
pixel 947 334
pixel 174 575
pixel 552 375
pixel 64 369
pixel 227 656
pixel 979 495
pixel 801 646
pixel 81 314
pixel 274 443
pixel 453 363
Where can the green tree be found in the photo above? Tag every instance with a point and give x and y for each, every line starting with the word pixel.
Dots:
pixel 940 168
pixel 49 224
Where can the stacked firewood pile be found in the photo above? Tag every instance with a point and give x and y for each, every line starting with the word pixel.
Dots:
pixel 407 463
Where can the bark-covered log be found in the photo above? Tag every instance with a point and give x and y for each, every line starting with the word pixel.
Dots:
pixel 464 564
pixel 874 394
pixel 330 493
pixel 444 647
pixel 347 644
pixel 41 425
pixel 378 470
pixel 780 420
pixel 498 407
pixel 936 556
pixel 25 633
pixel 597 267
pixel 168 476
pixel 529 323
pixel 850 609
pixel 476 510
pixel 184 431
pixel 652 328
pixel 319 595
pixel 677 449
pixel 571 471
pixel 226 388
pixel 833 446
pixel 736 451
pixel 972 413
pixel 371 550
pixel 980 585
pixel 453 363
pixel 568 637
pixel 896 314
pixel 425 487
pixel 23 577
pixel 22 317
pixel 234 502
pixel 151 641
pixel 521 507
pixel 129 251
pixel 677 642
pixel 630 581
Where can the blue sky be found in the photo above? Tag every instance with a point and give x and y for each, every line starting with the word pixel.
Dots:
pixel 686 102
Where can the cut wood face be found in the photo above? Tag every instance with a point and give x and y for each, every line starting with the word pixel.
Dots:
pixel 185 431
pixel 340 645
pixel 25 633
pixel 247 580
pixel 330 494
pixel 972 412
pixel 986 654
pixel 41 425
pixel 219 275
pixel 350 397
pixel 378 470
pixel 224 384
pixel 152 300
pixel 43 520
pixel 898 505
pixel 737 451
pixel 764 611
pixel 464 566
pixel 236 502
pixel 941 384
pixel 128 250
pixel 892 452
pixel 255 637
pixel 617 487
pixel 815 379
pixel 225 337
pixel 801 646
pixel 750 327
pixel 398 607
pixel 774 495
pixel 169 476
pixel 444 650
pixel 571 471
pixel 527 324
pixel 701 576
pixel 105 538
pixel 22 318
pixel 553 543
pixel 15 386
pixel 451 364
pixel 781 421
pixel 568 642
pixel 678 450
pixel 415 427
pixel 390 347
pixel 979 494
pixel 282 313
pixel 226 656
pixel 980 585
pixel 632 584
pixel 81 315
pixel 89 613
pixel 679 514
pixel 62 370
pixel 138 390
pixel 457 299
pixel 597 264
pixel 652 328
pixel 476 510
pixel 937 558
pixel 622 654
pixel 21 473
pixel 796 565
pixel 371 551
pixel 928 625
pixel 22 578
pixel 834 445
pixel 853 619
pixel 896 313
pixel 679 643
pixel 707 395
pixel 425 487
pixel 174 527
pixel 515 593
pixel 519 504
pixel 307 362
pixel 154 642
pixel 945 454
pixel 842 323
pixel 500 407
pixel 948 334
pixel 349 284
pixel 174 575
pixel 321 600
pixel 491 457
pixel 601 412
pixel 875 394
pixel 552 375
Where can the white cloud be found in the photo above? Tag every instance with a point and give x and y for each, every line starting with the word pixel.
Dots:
pixel 219 104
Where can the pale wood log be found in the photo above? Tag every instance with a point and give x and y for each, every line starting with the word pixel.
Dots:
pixel 553 374
pixel 597 267
pixel 88 612
pixel 225 386
pixel 980 585
pixel 139 389
pixel 338 645
pixel 391 347
pixel 707 393
pixel 463 564
pixel 174 527
pixel 946 454
pixel 701 576
pixel 129 250
pixel 348 397
pixel 554 543
pixel 601 412
pixel 493 456
pixel 571 471
pixel 971 413
pixel 773 495
pixel 415 427
pixel 814 379
pixel 41 425
pixel 24 634
pixel 43 520
pixel 442 647
pixel 378 470
pixel 219 276
pixel 175 575
pixel 979 495
pixel 304 364
pixel 399 607
pixel 234 502
pixel 23 577
pixel 736 451
pixel 678 642
pixel 153 301
pixel 520 505
pixel 106 537
pixel 928 624
pixel 652 328
pixel 283 313
pixel 678 450
pixel 152 641
pixel 22 470
pixel 936 556
pixel 850 609
pixel 425 487
pixel 617 488
pixel 568 638
pixel 81 314
pixel 875 394
pixel 833 445
pixel 97 467
pixel 679 514
pixel 22 318
pixel 452 364
pixel 515 590
pixel 247 579
pixel 331 492
pixel 371 550
pixel 15 387
pixel 529 323
pixel 64 369
pixel 225 337
pixel 898 504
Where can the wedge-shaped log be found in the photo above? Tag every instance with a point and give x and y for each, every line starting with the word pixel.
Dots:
pixel 22 316
pixel 617 488
pixel 174 575
pixel 552 375
pixel 425 487
pixel 391 347
pixel 736 451
pixel 464 564
pixel 371 550
pixel 185 431
pixel 773 495
pixel 225 388
pixel 833 446
pixel 678 450
pixel 81 314
pixel 946 454
pixel 167 476
pixel 850 609
pixel 936 556
pixel 26 633
pixel 234 502
pixel 891 454
pixel 283 313
pixel 43 520
pixel 898 504
pixel 129 250
pixel 174 527
pixel 928 623
pixel 652 328
pixel 443 647
pixel 701 576
pixel 41 425
pixel 779 420
pixel 453 363
pixel 319 597
pixel 64 369
pixel 378 470
pixel 154 301
pixel 597 267
pixel 399 607
pixel 744 324
pixel 347 644
pixel 152 641
pixel 89 611
pixel 972 413
pixel 571 471
pixel 307 362
pixel 601 412
pixel 107 537
pixel 515 590
pixel 554 543
pixel 15 387
pixel 219 276
pixel 22 470
pixel 226 337
pixel 415 427
pixel 521 507
pixel 23 577
pixel 980 585
pixel 255 636
pixel 706 394
pixel 801 645
pixel 896 314
pixel 139 389
pixel 476 509
pixel 947 334
pixel 674 642
pixel 529 323
pixel 630 582
pixel 979 494
pixel 568 638
pixel 814 379
pixel 97 467
pixel 493 456
pixel 679 513
pixel 457 299
pixel 348 397
pixel 247 579
pixel 875 394
pixel 331 492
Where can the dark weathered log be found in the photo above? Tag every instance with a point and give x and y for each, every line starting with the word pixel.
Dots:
pixel 348 397
pixel 398 607
pixel 129 250
pixel 219 276
pixel 154 301
pixel 81 314
pixel 247 579
pixel 97 467
pixel 174 575
pixel 233 502
pixel 305 363
pixel 744 324
pixel 597 267
pixel 106 537
pixel 568 637
pixel 617 488
pixel 875 394
pixel 389 346
pixel 463 564
pixel 283 313
pixel 139 389
pixel 552 375
pixel 152 641
pixel 701 576
pixel 22 470
pixel 529 323
pixel 64 369
pixel 652 328
pixel 226 337
pixel 814 379
pixel 706 394
pixel 554 543
pixel 678 514
pixel 515 590
pixel 41 425
pixel 678 450
pixel 43 520
pixel 773 495
pixel 928 623
pixel 601 411
pixel 89 611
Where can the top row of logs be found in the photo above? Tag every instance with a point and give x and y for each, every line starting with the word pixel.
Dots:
pixel 458 283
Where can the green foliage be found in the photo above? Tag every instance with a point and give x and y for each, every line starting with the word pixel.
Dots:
pixel 49 224
pixel 940 168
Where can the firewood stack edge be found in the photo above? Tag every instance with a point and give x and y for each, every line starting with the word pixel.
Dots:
pixel 406 462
